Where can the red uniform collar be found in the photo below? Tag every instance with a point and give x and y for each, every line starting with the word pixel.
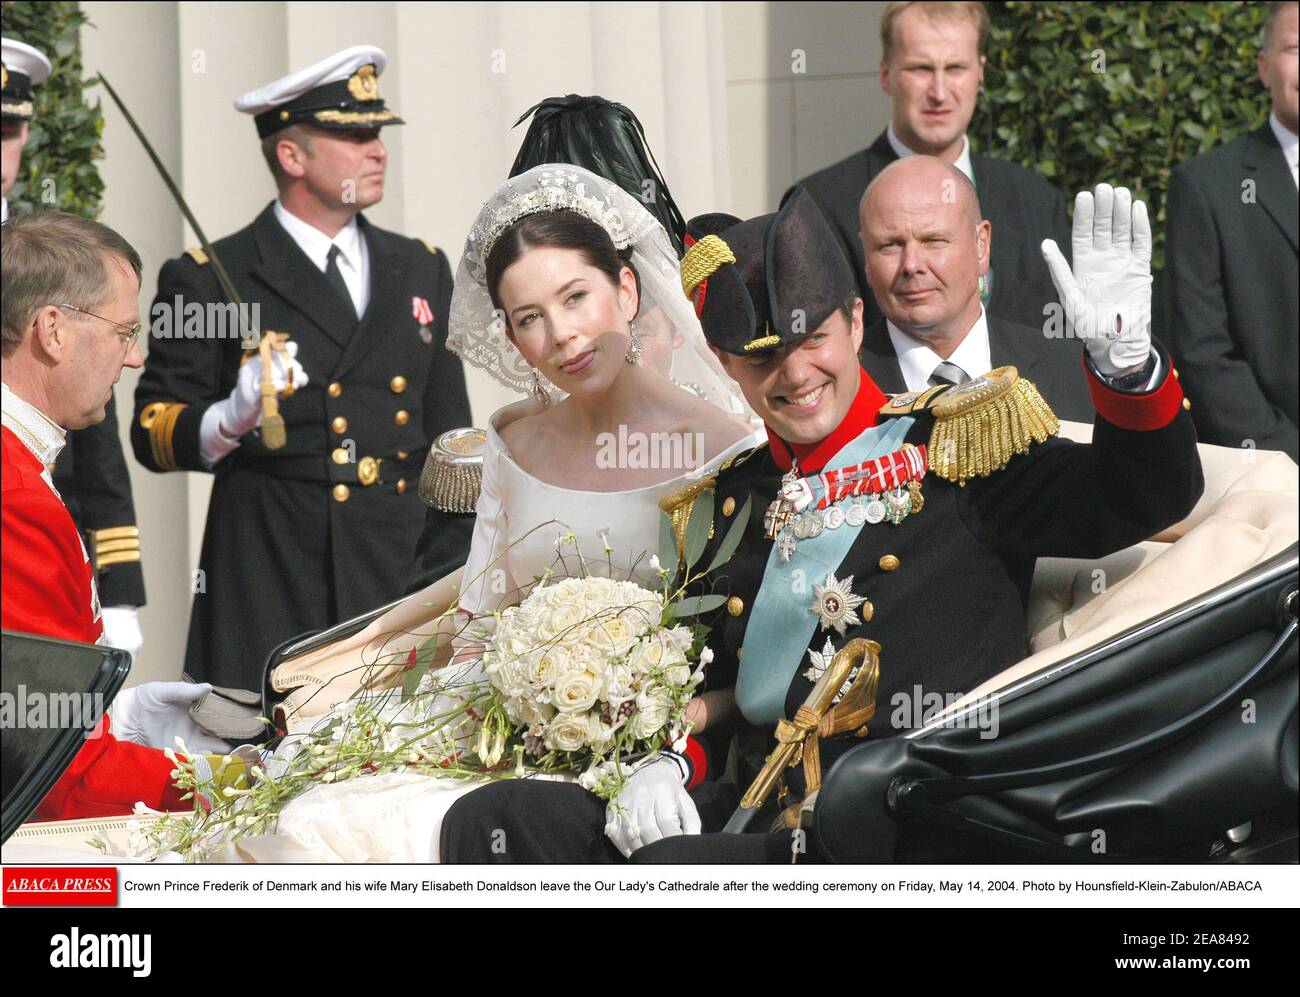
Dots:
pixel 862 415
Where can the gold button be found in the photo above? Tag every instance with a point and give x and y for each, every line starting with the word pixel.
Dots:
pixel 867 610
pixel 735 605
pixel 740 653
pixel 284 115
pixel 1175 373
pixel 397 384
pixel 335 389
pixel 889 563
pixel 729 506
pixel 402 455
pixel 341 493
pixel 339 425
pixel 401 486
pixel 340 455
pixel 1187 404
pixel 402 417
pixel 368 471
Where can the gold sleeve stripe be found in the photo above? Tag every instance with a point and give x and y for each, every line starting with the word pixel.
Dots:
pixel 160 419
pixel 115 546
pixel 702 261
pixel 125 557
pixel 116 533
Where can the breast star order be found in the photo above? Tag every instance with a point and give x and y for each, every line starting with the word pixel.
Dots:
pixel 835 603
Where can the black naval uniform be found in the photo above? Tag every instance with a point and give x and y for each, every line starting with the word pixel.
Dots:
pixel 947 586
pixel 321 530
pixel 92 479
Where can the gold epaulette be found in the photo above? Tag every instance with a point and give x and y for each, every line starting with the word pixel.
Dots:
pixel 197 254
pixel 159 418
pixel 453 471
pixel 736 460
pixel 678 505
pixel 116 545
pixel 430 247
pixel 980 425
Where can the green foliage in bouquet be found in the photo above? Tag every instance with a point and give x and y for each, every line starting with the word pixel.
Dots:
pixel 1083 93
pixel 58 168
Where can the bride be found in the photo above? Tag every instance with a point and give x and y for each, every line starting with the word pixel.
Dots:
pixel 561 272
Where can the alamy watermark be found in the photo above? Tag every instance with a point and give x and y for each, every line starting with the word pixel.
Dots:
pixel 636 451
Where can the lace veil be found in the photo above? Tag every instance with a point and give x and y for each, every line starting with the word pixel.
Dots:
pixel 670 334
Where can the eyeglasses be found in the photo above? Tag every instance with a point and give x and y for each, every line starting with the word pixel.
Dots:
pixel 130 337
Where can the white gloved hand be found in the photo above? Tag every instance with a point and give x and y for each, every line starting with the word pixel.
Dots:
pixel 156 713
pixel 241 412
pixel 653 805
pixel 122 629
pixel 1107 298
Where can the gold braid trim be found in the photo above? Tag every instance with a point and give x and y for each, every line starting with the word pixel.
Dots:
pixel 702 261
pixel 354 117
pixel 678 505
pixel 979 426
pixel 197 254
pixel 159 418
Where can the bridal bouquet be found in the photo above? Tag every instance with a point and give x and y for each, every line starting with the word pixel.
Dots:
pixel 586 671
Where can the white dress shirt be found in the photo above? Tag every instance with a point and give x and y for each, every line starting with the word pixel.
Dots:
pixel 918 361
pixel 1290 143
pixel 963 162
pixel 34 429
pixel 353 257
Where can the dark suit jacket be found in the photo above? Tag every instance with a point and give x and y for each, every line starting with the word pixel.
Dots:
pixel 1024 209
pixel 1054 365
pixel 300 538
pixel 1230 311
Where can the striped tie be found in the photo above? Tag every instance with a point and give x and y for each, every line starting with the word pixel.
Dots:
pixel 948 373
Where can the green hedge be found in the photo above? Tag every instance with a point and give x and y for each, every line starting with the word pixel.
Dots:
pixel 64 140
pixel 1178 80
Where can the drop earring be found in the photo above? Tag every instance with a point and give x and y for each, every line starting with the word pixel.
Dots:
pixel 539 392
pixel 633 345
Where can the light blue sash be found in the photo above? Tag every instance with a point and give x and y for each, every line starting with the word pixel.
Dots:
pixel 780 625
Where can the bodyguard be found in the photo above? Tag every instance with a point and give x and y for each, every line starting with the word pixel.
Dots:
pixel 321 529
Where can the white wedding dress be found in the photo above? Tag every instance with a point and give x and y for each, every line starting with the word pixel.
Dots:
pixel 397 817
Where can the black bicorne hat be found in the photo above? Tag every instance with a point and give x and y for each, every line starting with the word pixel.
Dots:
pixel 605 138
pixel 765 283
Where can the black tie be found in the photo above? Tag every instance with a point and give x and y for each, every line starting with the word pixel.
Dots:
pixel 335 277
pixel 948 373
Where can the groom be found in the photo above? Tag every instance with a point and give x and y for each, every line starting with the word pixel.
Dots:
pixel 931 556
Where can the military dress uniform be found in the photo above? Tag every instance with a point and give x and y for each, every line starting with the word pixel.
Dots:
pixel 322 529
pixel 914 525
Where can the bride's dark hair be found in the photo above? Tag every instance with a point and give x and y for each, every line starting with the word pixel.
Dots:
pixel 560 229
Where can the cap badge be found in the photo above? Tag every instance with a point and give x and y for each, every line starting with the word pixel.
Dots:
pixel 364 84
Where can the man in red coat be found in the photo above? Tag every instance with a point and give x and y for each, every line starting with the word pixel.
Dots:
pixel 70 324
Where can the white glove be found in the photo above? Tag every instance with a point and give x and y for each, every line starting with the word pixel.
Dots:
pixel 122 629
pixel 1107 299
pixel 652 805
pixel 227 420
pixel 156 713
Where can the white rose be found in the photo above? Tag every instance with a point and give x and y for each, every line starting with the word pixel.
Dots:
pixel 652 709
pixel 619 684
pixel 678 675
pixel 647 656
pixel 567 732
pixel 546 666
pixel 576 692
pixel 532 712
